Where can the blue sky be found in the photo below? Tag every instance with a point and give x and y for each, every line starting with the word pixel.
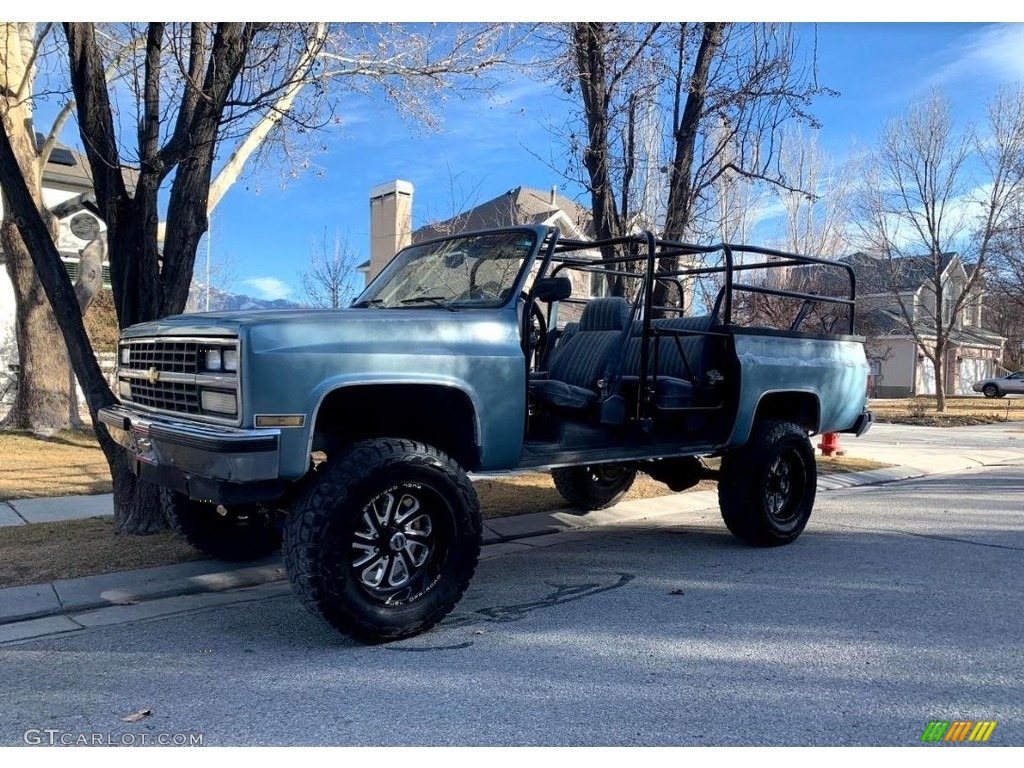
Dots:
pixel 266 223
pixel 484 149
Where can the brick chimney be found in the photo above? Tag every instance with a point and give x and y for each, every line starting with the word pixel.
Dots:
pixel 390 222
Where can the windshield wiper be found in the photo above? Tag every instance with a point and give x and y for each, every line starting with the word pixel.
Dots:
pixel 436 300
pixel 367 303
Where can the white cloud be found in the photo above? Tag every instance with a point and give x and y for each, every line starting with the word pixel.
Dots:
pixel 995 52
pixel 269 288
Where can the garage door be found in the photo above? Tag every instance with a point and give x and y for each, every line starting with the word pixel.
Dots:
pixel 972 369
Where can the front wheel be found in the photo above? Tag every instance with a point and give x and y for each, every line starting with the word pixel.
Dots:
pixel 236 532
pixel 766 488
pixel 990 390
pixel 593 487
pixel 384 544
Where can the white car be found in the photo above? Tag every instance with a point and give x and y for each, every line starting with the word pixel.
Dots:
pixel 1012 383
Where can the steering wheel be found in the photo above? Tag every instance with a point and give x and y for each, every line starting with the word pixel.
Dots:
pixel 538 329
pixel 489 290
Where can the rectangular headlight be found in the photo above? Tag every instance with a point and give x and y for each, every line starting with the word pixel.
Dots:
pixel 229 358
pixel 126 355
pixel 124 388
pixel 218 402
pixel 212 361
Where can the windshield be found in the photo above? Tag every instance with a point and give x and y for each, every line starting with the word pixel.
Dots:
pixel 473 271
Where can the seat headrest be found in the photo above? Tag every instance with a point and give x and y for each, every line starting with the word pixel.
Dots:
pixel 610 313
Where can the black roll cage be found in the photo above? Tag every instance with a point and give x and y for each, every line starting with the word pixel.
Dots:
pixel 653 253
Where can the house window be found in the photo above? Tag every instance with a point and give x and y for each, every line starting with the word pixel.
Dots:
pixel 947 305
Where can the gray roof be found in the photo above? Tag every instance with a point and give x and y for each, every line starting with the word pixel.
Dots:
pixel 879 274
pixel 875 274
pixel 67 167
pixel 521 205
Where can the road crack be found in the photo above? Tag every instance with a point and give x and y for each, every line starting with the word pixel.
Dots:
pixel 935 536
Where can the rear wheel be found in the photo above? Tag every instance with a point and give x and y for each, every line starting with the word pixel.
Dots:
pixel 766 489
pixel 593 487
pixel 385 543
pixel 234 532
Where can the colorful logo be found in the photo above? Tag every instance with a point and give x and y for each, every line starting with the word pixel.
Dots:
pixel 958 730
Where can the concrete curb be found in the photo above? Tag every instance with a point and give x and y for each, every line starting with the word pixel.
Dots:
pixel 44 609
pixel 68 596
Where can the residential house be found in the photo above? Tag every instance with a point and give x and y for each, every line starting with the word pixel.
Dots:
pixel 391 223
pixel 900 366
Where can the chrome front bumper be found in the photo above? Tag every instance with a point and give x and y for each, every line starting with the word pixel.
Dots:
pixel 209 463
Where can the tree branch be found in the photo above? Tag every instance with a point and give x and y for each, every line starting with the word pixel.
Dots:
pixel 26 80
pixel 231 169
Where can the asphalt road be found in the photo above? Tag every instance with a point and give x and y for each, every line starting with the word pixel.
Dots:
pixel 899 605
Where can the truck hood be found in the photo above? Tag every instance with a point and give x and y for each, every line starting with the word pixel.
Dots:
pixel 310 328
pixel 227 323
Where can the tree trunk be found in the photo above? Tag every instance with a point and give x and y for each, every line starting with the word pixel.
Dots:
pixel 137 505
pixel 41 405
pixel 589 43
pixel 143 290
pixel 42 400
pixel 680 193
pixel 940 377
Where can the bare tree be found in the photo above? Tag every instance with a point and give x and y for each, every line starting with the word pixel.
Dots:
pixel 721 95
pixel 817 219
pixel 288 89
pixel 178 133
pixel 932 190
pixel 818 204
pixel 197 87
pixel 45 380
pixel 412 67
pixel 330 280
pixel 729 107
pixel 42 402
pixel 609 66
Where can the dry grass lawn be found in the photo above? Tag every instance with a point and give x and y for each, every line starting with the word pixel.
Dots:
pixel 43 552
pixel 960 411
pixel 68 464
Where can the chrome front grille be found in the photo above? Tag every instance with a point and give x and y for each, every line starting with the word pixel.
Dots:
pixel 170 374
pixel 176 396
pixel 171 356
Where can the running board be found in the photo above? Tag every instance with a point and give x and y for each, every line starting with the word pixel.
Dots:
pixel 537 455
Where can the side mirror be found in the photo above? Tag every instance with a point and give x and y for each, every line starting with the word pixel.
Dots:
pixel 548 289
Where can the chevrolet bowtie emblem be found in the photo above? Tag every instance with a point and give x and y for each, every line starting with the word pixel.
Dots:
pixel 153 375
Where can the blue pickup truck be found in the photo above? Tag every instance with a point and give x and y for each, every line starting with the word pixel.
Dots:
pixel 348 434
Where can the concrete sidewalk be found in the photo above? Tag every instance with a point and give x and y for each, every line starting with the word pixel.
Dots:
pixel 70 605
pixel 50 510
